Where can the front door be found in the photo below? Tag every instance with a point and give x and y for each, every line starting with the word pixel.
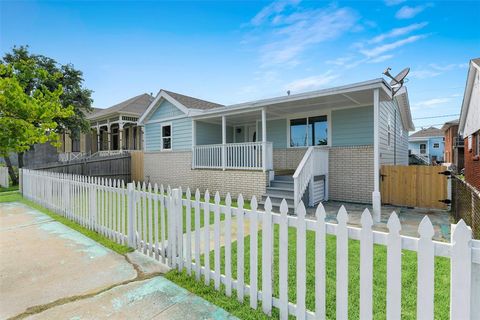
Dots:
pixel 252 134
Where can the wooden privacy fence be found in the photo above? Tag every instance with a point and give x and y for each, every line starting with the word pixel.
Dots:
pixel 168 227
pixel 414 186
pixel 111 167
pixel 4 177
pixel 137 165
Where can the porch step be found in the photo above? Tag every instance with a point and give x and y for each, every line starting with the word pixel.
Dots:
pixel 279 192
pixel 287 184
pixel 281 187
pixel 276 204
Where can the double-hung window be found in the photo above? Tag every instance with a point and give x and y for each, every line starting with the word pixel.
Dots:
pixel 166 137
pixel 311 131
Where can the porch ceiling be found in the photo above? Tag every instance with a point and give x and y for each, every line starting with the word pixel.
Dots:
pixel 282 107
pixel 287 108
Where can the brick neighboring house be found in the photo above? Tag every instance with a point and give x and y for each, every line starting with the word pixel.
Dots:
pixel 453 153
pixel 333 139
pixel 469 126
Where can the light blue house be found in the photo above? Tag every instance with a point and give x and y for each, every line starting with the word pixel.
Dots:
pixel 427 145
pixel 319 145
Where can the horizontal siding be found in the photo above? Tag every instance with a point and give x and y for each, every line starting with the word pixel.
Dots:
pixel 152 137
pixel 210 133
pixel 397 151
pixel 164 111
pixel 352 127
pixel 182 134
pixel 276 132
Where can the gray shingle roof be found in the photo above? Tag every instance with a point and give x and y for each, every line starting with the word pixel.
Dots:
pixel 429 132
pixel 193 103
pixel 136 105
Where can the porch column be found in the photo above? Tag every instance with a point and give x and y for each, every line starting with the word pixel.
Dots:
pixel 264 139
pixel 120 136
pixel 376 197
pixel 98 138
pixel 194 142
pixel 224 141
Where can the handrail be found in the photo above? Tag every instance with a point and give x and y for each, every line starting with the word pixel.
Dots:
pixel 302 176
pixel 314 162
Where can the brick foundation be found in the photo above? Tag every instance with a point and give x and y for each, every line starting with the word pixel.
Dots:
pixel 175 169
pixel 351 174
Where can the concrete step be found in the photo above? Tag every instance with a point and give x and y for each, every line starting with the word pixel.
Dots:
pixel 280 192
pixel 283 178
pixel 282 184
pixel 276 205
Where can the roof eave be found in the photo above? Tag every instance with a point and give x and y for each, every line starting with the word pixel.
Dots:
pixel 472 70
pixel 371 84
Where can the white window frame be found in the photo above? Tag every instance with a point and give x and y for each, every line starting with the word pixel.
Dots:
pixel 420 148
pixel 307 116
pixel 436 143
pixel 166 124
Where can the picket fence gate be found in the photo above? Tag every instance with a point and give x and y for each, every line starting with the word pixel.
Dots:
pixel 126 214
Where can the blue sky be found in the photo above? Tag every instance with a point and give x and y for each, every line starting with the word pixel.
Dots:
pixel 230 52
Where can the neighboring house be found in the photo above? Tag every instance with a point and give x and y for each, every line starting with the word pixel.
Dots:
pixel 426 146
pixel 334 140
pixel 469 126
pixel 453 153
pixel 114 130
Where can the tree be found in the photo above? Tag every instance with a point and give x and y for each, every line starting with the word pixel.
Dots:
pixel 26 119
pixel 26 65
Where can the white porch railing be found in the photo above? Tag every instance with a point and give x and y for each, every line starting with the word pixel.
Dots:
pixel 69 156
pixel 107 153
pixel 314 163
pixel 243 156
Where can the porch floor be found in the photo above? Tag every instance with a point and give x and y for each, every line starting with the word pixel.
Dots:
pixel 409 217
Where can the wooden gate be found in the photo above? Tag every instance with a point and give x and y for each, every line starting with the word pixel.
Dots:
pixel 414 186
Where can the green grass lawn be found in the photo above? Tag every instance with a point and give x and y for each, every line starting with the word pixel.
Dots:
pixel 11 188
pixel 409 278
pixel 243 311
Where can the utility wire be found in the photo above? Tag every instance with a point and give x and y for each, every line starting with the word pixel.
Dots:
pixel 441 116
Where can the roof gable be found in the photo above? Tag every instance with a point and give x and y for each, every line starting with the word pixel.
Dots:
pixel 186 104
pixel 470 112
pixel 427 133
pixel 133 106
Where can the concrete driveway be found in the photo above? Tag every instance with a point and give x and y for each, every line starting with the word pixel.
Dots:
pixel 49 271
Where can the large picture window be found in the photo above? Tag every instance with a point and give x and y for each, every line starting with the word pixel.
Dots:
pixel 166 137
pixel 311 131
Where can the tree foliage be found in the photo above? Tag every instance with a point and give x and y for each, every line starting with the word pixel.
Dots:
pixel 37 71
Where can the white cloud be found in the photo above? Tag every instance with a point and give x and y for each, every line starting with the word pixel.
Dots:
pixel 376 51
pixel 398 32
pixel 313 82
pixel 424 74
pixel 434 70
pixel 432 102
pixel 393 2
pixel 381 58
pixel 407 12
pixel 289 34
pixel 271 10
pixel 341 61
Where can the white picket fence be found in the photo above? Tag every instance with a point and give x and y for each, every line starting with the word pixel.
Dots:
pixel 4 177
pixel 159 223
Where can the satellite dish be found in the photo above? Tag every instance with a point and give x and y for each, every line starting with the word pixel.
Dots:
pixel 397 81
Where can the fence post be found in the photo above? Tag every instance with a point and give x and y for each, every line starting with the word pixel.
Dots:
pixel 460 272
pixel 20 180
pixel 130 215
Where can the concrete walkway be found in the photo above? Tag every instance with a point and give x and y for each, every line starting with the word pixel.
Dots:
pixel 49 271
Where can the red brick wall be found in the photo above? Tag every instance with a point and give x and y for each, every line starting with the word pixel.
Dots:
pixel 472 164
pixel 449 137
